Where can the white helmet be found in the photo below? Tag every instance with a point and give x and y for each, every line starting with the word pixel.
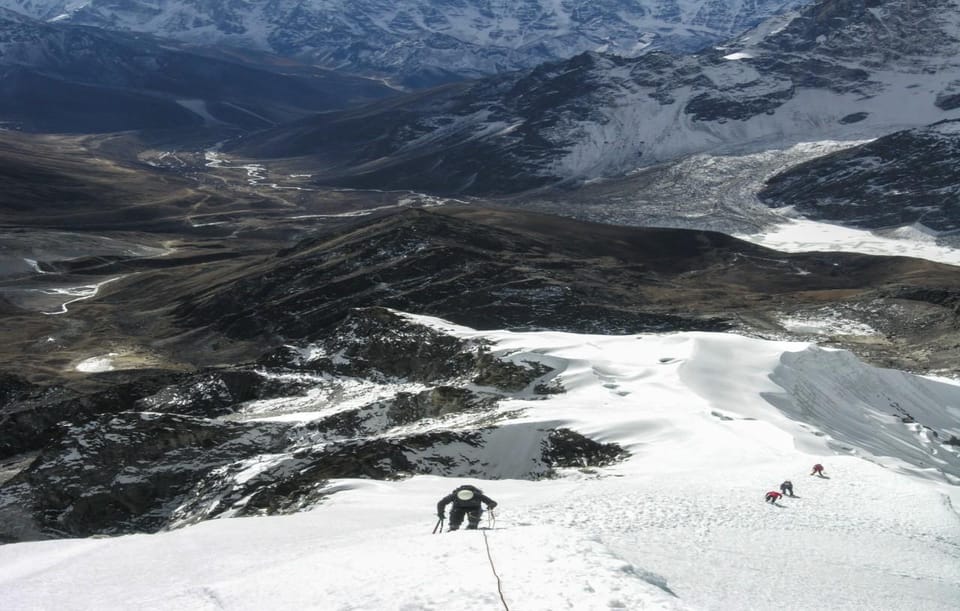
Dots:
pixel 465 494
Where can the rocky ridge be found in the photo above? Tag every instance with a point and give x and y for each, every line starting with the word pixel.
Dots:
pixel 228 442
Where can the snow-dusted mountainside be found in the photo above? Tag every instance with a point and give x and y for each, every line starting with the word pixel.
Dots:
pixel 909 177
pixel 421 41
pixel 56 77
pixel 708 423
pixel 840 69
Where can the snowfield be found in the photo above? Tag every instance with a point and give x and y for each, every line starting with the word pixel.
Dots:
pixel 803 235
pixel 712 421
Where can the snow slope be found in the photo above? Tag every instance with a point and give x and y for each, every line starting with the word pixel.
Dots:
pixel 712 421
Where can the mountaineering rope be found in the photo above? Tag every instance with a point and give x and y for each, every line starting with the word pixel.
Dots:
pixel 494 569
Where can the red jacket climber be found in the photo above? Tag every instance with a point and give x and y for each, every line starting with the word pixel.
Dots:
pixel 817 470
pixel 773 496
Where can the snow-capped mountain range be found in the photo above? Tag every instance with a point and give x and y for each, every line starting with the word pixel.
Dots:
pixel 422 41
pixel 839 69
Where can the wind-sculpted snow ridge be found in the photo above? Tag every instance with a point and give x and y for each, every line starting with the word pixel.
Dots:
pixel 826 401
pixel 711 422
pixel 837 404
pixel 894 418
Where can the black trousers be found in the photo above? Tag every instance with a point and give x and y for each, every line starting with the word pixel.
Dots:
pixel 472 513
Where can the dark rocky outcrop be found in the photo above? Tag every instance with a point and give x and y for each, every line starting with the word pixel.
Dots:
pixel 569 449
pixel 904 178
pixel 217 393
pixel 121 473
pixel 721 106
pixel 377 342
pixel 944 297
pixel 14 387
pixel 395 347
pixel 435 403
pixel 948 101
pixel 29 418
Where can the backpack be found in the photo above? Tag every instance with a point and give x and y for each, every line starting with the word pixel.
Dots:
pixel 467 494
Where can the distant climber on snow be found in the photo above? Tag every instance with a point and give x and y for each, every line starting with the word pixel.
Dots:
pixel 787 488
pixel 773 496
pixel 817 470
pixel 466 501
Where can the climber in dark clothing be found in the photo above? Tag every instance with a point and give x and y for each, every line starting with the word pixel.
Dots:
pixel 466 501
pixel 787 488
